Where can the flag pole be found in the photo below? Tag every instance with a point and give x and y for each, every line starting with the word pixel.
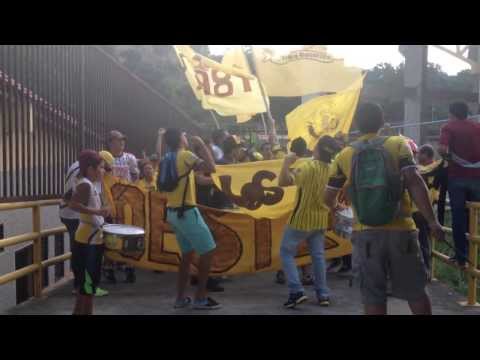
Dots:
pixel 272 133
pixel 215 119
pixel 264 124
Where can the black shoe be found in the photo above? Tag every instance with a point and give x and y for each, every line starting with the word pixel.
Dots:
pixel 213 285
pixel 323 301
pixel 109 275
pixel 209 305
pixel 280 277
pixel 130 276
pixel 295 299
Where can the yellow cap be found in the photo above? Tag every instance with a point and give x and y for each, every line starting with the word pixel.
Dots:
pixel 107 157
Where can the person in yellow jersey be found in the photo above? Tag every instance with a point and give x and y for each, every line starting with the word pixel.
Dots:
pixel 428 169
pixel 298 146
pixel 385 238
pixel 308 221
pixel 147 181
pixel 177 182
pixel 89 245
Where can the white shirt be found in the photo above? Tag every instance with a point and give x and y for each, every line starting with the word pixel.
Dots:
pixel 71 180
pixel 94 202
pixel 124 166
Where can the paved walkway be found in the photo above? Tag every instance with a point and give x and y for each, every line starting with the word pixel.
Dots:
pixel 244 295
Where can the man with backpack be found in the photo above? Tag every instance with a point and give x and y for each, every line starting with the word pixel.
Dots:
pixel 378 171
pixel 176 181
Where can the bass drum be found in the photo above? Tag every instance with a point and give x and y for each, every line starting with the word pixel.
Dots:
pixel 128 240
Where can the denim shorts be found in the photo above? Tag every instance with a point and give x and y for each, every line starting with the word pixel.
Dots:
pixel 191 231
pixel 383 254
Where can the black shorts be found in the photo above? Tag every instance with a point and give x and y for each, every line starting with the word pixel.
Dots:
pixel 87 266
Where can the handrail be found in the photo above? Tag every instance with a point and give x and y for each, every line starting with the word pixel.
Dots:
pixel 28 204
pixel 36 236
pixel 471 270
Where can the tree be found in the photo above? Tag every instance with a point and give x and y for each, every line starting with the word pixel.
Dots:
pixel 159 66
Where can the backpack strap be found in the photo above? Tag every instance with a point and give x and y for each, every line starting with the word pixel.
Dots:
pixel 363 144
pixel 184 196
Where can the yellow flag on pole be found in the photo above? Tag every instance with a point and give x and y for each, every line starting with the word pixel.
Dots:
pixel 307 71
pixel 236 58
pixel 324 115
pixel 228 90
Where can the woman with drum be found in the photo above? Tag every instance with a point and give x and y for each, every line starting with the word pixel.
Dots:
pixel 88 238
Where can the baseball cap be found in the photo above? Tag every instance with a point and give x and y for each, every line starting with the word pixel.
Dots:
pixel 115 134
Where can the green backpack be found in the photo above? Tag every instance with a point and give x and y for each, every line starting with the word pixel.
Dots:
pixel 376 186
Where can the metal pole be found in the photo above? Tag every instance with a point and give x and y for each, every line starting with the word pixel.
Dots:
pixel 264 124
pixel 215 119
pixel 82 101
pixel 273 131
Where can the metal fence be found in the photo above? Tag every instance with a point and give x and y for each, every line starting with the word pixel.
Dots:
pixel 56 100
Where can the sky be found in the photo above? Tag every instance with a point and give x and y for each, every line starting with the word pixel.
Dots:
pixel 367 56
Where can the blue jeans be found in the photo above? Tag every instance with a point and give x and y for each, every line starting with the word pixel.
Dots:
pixel 461 190
pixel 288 251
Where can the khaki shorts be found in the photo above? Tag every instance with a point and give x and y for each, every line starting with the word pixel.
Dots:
pixel 395 254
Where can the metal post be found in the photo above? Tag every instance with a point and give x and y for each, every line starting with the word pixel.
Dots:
pixel 37 252
pixel 82 96
pixel 472 259
pixel 215 119
pixel 273 131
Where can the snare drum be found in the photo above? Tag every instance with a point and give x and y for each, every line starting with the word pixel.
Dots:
pixel 128 240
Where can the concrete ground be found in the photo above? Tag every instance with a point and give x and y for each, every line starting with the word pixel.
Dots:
pixel 257 294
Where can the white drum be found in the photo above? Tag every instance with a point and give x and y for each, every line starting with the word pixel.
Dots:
pixel 128 240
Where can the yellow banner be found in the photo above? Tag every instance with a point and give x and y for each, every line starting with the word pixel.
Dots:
pixel 226 89
pixel 253 187
pixel 324 115
pixel 303 72
pixel 245 244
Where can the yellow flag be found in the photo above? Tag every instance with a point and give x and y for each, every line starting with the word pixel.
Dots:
pixel 302 72
pixel 236 58
pixel 324 115
pixel 228 90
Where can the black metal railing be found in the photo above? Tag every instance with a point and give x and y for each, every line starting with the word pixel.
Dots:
pixel 56 100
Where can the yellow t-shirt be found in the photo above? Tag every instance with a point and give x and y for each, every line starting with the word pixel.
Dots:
pixel 185 162
pixel 310 212
pixel 340 172
pixel 147 186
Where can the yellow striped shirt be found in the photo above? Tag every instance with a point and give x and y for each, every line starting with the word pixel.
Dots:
pixel 310 212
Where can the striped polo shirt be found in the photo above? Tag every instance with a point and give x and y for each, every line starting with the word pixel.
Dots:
pixel 310 212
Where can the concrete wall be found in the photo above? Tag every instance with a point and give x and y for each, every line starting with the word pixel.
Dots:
pixel 19 222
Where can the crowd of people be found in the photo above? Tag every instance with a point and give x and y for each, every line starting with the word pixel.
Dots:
pixel 377 175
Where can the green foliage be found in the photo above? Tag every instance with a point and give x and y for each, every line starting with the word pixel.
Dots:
pixel 159 66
